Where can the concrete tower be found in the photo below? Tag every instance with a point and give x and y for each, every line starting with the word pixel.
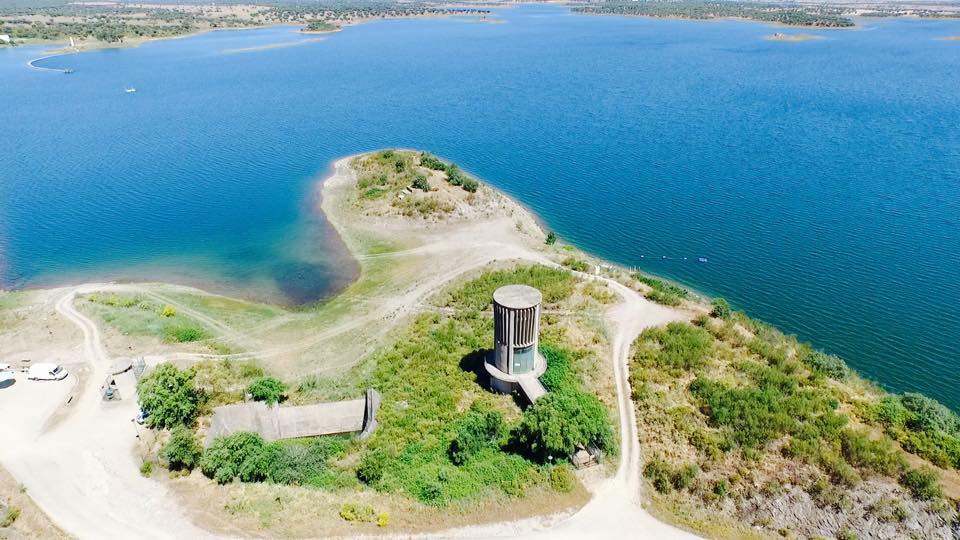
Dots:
pixel 516 361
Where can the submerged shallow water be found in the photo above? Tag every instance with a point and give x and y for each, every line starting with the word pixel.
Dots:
pixel 821 179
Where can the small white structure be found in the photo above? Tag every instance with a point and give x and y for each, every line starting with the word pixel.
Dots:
pixel 46 372
pixel 5 38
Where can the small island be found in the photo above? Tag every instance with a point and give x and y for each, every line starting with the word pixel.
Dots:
pixel 780 36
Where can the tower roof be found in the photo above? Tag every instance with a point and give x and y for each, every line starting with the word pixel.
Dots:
pixel 517 296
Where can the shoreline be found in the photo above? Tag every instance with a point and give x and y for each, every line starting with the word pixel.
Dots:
pixel 613 494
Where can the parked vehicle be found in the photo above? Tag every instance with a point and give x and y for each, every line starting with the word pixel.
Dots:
pixel 46 372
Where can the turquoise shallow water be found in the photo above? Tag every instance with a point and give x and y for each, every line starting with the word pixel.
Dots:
pixel 821 179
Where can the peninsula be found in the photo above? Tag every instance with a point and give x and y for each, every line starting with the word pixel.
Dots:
pixel 658 402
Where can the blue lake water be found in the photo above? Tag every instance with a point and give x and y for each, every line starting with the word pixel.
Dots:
pixel 821 179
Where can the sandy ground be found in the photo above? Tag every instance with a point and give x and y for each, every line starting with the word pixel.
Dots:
pixel 77 456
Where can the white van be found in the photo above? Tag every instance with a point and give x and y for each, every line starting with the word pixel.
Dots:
pixel 46 372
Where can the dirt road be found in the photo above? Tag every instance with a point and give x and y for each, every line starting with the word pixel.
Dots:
pixel 83 471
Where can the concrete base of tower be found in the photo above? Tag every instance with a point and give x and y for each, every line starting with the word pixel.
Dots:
pixel 526 383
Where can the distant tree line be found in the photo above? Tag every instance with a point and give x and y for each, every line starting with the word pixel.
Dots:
pixel 795 15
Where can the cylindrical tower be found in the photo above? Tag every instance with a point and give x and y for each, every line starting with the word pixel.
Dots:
pixel 516 329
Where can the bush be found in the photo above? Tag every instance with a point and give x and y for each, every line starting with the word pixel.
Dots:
pixel 240 455
pixel 10 517
pixel 431 162
pixel 929 415
pixel 876 455
pixel 182 451
pixel 551 238
pixel 575 264
pixel 454 176
pixel 146 469
pixel 169 397
pixel 721 488
pixel 923 483
pixel 184 333
pixel 662 292
pixel 830 365
pixel 168 311
pixel 477 430
pixel 678 347
pixel 383 519
pixel 363 513
pixel 372 466
pixel 557 423
pixel 561 478
pixel 721 308
pixel 420 182
pixel 659 473
pixel 267 389
pixel 560 375
pixel 470 185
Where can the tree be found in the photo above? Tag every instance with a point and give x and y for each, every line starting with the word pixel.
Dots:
pixel 551 238
pixel 241 455
pixel 182 451
pixel 556 424
pixel 478 430
pixel 721 308
pixel 267 389
pixel 169 397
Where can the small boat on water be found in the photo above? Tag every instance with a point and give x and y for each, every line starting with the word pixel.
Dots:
pixel 701 259
pixel 68 71
pixel 130 90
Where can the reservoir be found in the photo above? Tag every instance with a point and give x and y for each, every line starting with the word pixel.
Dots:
pixel 820 180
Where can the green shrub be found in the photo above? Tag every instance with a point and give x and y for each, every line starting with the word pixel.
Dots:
pixel 557 423
pixel 678 347
pixel 551 238
pixel 575 264
pixel 431 162
pixel 683 477
pixel 240 455
pixel 420 182
pixel 168 311
pixel 889 412
pixel 306 462
pixel 383 519
pixel 184 333
pixel 660 474
pixel 878 456
pixel 182 451
pixel 470 185
pixel 560 374
pixel 721 488
pixel 11 516
pixel 662 292
pixel 146 469
pixel 478 430
pixel 929 415
pixel 169 397
pixel 267 389
pixel 721 308
pixel 372 466
pixel 830 365
pixel 454 176
pixel 561 478
pixel 923 483
pixel 363 513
